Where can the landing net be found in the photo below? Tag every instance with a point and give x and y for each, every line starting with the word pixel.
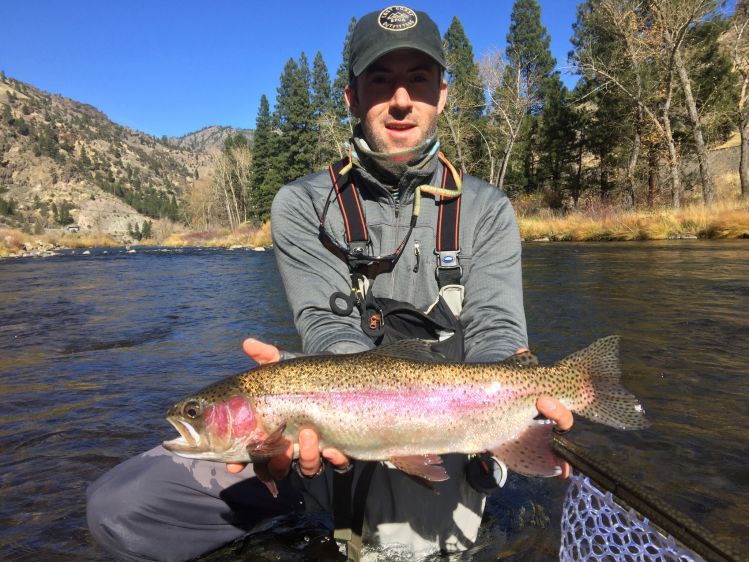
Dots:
pixel 596 528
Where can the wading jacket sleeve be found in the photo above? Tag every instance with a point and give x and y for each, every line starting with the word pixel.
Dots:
pixel 493 317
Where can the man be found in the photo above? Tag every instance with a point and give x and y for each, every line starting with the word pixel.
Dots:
pixel 158 506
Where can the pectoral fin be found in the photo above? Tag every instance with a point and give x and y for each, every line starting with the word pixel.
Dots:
pixel 274 444
pixel 530 451
pixel 262 473
pixel 426 467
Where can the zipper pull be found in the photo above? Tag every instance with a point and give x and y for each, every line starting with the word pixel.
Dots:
pixel 417 253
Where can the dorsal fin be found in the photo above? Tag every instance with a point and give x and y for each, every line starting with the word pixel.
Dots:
pixel 522 359
pixel 412 350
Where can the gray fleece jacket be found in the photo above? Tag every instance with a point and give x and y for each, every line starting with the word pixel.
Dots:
pixel 398 511
pixel 493 318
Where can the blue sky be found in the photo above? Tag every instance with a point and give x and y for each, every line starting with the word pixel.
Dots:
pixel 169 68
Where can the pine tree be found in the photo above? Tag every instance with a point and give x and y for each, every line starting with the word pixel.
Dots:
pixel 557 140
pixel 462 122
pixel 236 140
pixel 293 112
pixel 266 181
pixel 146 229
pixel 529 62
pixel 305 75
pixel 528 47
pixel 327 124
pixel 133 231
pixel 322 99
pixel 342 77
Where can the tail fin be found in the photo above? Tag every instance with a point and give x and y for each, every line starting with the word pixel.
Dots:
pixel 610 403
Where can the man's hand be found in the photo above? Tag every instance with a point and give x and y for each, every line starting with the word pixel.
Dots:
pixel 309 442
pixel 557 412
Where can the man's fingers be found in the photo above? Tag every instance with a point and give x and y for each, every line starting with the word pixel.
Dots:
pixel 235 467
pixel 261 353
pixel 336 457
pixel 555 411
pixel 309 452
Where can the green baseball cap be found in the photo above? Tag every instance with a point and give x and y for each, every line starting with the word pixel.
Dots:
pixel 396 27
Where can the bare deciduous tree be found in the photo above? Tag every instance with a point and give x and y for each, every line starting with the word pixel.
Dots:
pixel 620 64
pixel 508 91
pixel 332 135
pixel 738 42
pixel 233 186
pixel 675 18
pixel 203 207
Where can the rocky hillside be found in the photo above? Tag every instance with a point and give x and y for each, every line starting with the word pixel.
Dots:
pixel 209 138
pixel 64 163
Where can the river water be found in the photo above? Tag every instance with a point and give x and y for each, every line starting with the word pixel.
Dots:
pixel 95 348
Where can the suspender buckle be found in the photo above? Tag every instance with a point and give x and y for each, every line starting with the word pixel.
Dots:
pixel 448 270
pixel 447 258
pixel 357 248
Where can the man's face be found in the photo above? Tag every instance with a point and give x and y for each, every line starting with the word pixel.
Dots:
pixel 398 99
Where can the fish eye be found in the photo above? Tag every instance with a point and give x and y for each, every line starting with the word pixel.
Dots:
pixel 192 409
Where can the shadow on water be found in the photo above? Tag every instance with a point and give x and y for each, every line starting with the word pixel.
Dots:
pixel 94 349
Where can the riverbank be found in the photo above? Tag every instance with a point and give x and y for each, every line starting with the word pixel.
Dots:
pixel 16 243
pixel 723 220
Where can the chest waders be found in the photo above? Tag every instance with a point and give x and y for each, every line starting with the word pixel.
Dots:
pixel 388 320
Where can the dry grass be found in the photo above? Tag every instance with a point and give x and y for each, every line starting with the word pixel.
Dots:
pixel 723 220
pixel 246 235
pixel 15 241
pixel 11 241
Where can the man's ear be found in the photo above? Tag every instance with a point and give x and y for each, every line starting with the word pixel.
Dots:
pixel 443 97
pixel 352 100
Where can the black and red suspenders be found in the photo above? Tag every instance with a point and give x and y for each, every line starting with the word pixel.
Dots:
pixel 357 238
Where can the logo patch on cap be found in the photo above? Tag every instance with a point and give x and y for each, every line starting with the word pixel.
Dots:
pixel 397 18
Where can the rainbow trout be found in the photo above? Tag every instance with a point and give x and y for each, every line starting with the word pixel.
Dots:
pixel 405 404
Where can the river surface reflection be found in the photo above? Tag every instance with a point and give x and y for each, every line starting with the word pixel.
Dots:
pixel 94 348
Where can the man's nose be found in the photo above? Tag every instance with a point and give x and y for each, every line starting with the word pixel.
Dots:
pixel 401 98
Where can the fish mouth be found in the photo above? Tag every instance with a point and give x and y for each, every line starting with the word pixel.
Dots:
pixel 193 445
pixel 188 440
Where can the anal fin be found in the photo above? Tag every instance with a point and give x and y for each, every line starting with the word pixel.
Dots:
pixel 530 451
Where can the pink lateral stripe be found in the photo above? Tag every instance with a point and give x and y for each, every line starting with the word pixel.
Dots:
pixel 434 403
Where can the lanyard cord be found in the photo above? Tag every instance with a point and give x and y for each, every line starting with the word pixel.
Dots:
pixel 441 191
pixel 425 188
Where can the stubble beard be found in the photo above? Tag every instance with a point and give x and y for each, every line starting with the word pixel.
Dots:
pixel 377 143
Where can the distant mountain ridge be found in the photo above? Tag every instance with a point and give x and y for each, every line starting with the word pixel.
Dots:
pixel 63 162
pixel 209 138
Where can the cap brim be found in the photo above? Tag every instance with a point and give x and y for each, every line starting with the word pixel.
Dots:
pixel 362 64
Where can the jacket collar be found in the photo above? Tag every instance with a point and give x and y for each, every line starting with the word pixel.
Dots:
pixel 370 177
